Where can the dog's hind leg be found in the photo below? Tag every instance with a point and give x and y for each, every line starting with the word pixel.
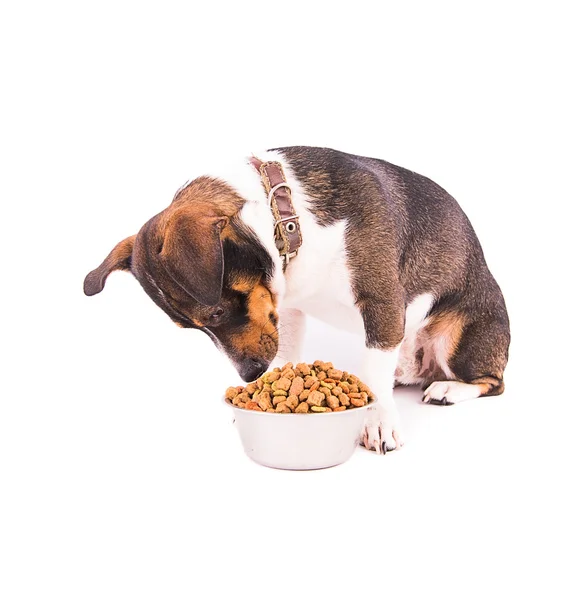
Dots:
pixel 472 355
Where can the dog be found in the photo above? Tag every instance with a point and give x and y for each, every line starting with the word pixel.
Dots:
pixel 357 242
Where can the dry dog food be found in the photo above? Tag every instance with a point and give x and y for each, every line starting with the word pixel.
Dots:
pixel 303 388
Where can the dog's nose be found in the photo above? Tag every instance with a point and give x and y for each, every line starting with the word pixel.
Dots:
pixel 251 368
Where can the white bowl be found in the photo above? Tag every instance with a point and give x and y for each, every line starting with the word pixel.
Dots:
pixel 300 441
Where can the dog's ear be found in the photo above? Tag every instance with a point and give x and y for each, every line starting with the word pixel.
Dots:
pixel 119 258
pixel 192 254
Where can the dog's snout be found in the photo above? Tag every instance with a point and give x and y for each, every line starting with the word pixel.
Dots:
pixel 251 368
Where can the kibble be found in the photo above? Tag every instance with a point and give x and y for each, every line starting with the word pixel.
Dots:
pixel 304 388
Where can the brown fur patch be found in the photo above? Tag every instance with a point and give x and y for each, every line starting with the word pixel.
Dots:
pixel 244 283
pixel 491 386
pixel 119 259
pixel 208 192
pixel 260 337
pixel 448 325
pixel 191 232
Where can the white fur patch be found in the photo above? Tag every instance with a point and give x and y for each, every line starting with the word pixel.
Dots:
pixel 380 432
pixel 408 369
pixel 440 346
pixel 416 313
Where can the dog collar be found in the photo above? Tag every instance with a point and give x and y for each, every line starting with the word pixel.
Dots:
pixel 287 232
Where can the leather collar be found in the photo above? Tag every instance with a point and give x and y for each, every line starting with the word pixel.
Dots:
pixel 287 230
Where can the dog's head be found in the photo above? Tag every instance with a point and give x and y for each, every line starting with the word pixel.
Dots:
pixel 207 270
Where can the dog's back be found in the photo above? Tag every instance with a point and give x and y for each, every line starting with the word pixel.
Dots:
pixel 384 203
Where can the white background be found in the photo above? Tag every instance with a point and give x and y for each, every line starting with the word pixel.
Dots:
pixel 119 479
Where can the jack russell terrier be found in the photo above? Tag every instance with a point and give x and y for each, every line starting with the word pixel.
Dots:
pixel 357 242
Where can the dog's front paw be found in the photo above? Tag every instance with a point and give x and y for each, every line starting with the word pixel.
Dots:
pixel 381 429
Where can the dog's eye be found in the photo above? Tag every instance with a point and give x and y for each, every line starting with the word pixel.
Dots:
pixel 217 314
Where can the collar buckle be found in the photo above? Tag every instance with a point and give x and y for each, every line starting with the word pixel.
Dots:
pixel 286 222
